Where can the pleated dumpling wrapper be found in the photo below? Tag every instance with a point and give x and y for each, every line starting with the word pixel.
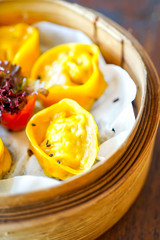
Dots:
pixel 70 71
pixel 5 159
pixel 19 44
pixel 64 138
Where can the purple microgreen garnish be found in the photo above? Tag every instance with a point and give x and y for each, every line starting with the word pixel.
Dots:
pixel 13 95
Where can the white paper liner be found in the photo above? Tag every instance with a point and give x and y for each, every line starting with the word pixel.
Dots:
pixel 113 113
pixel 24 184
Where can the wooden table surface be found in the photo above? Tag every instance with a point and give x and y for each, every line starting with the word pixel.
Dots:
pixel 142 19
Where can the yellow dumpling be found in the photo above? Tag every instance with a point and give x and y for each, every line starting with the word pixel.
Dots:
pixel 5 159
pixel 19 44
pixel 64 139
pixel 70 71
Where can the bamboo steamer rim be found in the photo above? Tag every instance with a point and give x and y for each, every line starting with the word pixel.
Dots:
pixel 108 182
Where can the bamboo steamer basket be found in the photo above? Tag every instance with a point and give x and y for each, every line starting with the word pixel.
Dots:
pixel 85 207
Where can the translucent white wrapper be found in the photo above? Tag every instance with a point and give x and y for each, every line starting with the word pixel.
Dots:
pixel 113 114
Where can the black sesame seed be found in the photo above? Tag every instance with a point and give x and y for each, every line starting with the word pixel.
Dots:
pixel 38 77
pixel 30 153
pixel 48 145
pixel 58 162
pixel 33 124
pixel 113 130
pixel 116 100
pixel 51 155
pixel 47 142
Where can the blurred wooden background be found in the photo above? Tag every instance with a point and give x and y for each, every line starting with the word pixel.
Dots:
pixel 142 19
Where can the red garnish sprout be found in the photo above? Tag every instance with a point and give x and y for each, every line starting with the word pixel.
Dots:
pixel 13 91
